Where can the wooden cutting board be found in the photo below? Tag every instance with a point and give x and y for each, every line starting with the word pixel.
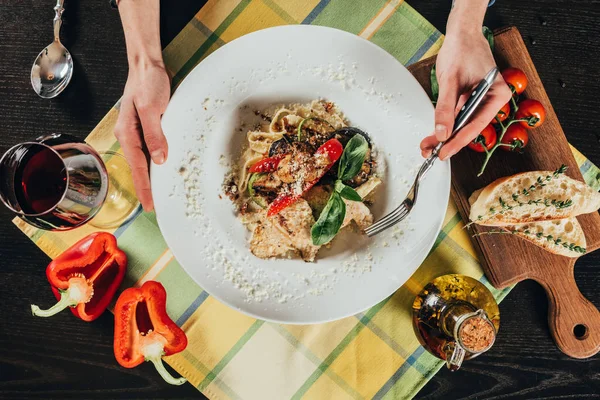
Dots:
pixel 574 321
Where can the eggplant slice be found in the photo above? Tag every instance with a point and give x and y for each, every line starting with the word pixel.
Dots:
pixel 281 146
pixel 346 133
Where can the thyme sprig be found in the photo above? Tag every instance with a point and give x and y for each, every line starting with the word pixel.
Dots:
pixel 558 204
pixel 557 241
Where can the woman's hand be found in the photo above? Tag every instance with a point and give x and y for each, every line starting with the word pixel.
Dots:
pixel 146 94
pixel 464 59
pixel 144 100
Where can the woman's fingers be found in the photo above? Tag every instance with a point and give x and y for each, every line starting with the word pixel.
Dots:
pixel 444 117
pixel 153 134
pixel 444 109
pixel 129 134
pixel 428 144
pixel 498 95
pixel 431 141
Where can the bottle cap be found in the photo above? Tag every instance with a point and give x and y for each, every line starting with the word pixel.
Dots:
pixel 475 332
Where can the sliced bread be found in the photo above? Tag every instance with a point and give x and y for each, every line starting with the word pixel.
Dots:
pixel 532 196
pixel 563 236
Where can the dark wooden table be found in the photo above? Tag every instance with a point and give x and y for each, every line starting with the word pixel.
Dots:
pixel 63 357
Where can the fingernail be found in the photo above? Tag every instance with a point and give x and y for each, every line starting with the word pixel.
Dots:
pixel 440 130
pixel 158 156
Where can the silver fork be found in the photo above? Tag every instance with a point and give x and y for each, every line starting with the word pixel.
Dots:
pixel 463 116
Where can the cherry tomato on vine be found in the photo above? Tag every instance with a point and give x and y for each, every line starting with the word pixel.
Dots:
pixel 515 78
pixel 502 114
pixel 515 136
pixel 487 137
pixel 532 109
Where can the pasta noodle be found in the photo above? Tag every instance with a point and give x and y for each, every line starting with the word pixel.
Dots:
pixel 276 126
pixel 260 141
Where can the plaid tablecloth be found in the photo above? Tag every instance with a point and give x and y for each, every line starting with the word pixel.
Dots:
pixel 231 356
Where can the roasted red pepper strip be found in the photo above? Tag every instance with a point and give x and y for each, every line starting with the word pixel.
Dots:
pixel 144 331
pixel 268 164
pixel 334 149
pixel 86 277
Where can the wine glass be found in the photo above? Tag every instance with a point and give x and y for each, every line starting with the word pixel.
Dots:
pixel 59 182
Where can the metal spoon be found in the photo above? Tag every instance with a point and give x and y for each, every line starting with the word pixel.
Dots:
pixel 53 67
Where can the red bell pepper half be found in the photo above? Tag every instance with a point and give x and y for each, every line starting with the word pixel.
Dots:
pixel 144 331
pixel 334 149
pixel 268 164
pixel 86 277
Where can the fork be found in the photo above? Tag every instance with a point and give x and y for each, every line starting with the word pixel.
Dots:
pixel 462 117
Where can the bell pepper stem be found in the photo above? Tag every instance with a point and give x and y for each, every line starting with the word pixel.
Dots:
pixel 158 364
pixel 64 302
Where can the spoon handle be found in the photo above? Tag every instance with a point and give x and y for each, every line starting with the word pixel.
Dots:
pixel 58 10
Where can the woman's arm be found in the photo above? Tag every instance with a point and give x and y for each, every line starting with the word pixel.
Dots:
pixel 464 59
pixel 146 93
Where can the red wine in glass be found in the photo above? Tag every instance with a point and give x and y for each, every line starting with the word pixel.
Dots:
pixel 43 181
pixel 57 182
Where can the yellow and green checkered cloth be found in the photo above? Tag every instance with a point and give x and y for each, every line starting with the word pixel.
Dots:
pixel 231 356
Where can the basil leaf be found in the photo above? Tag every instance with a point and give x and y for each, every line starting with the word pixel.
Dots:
pixel 489 35
pixel 346 191
pixel 353 157
pixel 435 87
pixel 330 221
pixel 350 194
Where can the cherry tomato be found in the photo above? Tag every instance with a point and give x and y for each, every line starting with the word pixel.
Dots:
pixel 516 79
pixel 531 108
pixel 487 136
pixel 515 135
pixel 502 114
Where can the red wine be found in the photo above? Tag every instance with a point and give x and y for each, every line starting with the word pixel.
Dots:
pixel 40 181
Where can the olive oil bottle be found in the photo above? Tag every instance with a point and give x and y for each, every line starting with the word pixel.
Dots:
pixel 456 318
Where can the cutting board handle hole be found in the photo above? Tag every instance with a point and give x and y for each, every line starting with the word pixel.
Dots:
pixel 581 331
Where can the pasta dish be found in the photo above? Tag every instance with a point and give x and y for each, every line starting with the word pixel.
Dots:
pixel 303 176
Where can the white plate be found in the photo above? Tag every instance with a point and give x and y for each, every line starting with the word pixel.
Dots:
pixel 202 125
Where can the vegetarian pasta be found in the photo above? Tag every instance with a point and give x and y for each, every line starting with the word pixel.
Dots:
pixel 302 178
